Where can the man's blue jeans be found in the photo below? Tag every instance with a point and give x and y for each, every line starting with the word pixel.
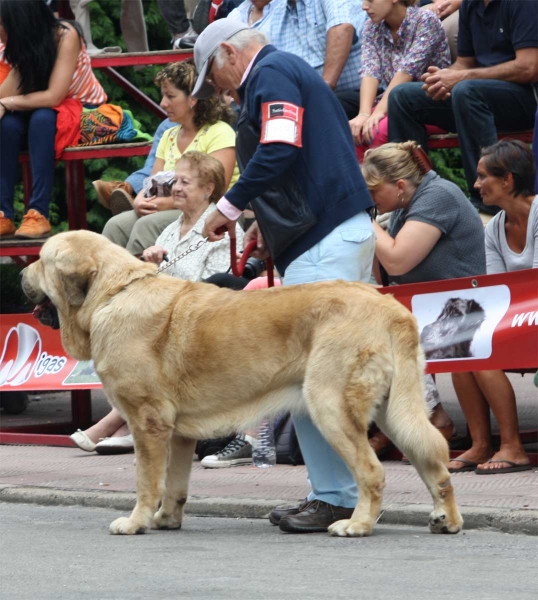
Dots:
pixel 36 131
pixel 346 253
pixel 476 110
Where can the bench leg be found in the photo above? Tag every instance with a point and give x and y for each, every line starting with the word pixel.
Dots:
pixel 76 194
pixel 81 409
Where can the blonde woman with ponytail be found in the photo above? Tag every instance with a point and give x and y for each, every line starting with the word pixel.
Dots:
pixel 433 233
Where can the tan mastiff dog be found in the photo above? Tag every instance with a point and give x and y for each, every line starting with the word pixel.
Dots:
pixel 185 361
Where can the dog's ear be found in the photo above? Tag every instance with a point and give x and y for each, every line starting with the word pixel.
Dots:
pixel 76 274
pixel 474 307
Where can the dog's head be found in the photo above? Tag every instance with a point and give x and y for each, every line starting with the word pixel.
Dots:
pixel 451 334
pixel 77 271
pixel 467 314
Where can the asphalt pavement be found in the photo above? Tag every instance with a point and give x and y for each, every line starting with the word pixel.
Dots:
pixel 62 553
pixel 69 476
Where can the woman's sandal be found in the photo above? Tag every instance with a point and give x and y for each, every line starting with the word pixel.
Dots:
pixel 512 468
pixel 468 465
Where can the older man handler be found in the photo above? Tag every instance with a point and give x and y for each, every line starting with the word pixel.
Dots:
pixel 301 176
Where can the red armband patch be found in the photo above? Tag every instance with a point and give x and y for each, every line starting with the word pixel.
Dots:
pixel 282 122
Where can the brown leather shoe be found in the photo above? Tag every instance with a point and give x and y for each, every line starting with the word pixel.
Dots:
pixel 7 226
pixel 315 517
pixel 285 511
pixel 34 225
pixel 104 190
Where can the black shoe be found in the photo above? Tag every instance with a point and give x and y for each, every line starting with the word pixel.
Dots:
pixel 285 511
pixel 315 517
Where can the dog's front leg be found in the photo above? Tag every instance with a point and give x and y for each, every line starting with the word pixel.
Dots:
pixel 151 456
pixel 170 514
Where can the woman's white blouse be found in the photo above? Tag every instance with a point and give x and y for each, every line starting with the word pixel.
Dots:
pixel 211 258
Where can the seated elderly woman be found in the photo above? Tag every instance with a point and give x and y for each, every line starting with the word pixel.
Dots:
pixel 433 233
pixel 200 182
pixel 506 173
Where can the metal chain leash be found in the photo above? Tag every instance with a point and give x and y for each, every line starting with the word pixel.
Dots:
pixel 189 250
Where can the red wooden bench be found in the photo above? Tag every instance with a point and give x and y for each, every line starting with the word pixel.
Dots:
pixel 74 158
pixel 450 140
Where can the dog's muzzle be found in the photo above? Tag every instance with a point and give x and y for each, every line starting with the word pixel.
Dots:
pixel 46 313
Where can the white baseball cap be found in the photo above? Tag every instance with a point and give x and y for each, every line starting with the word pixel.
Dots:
pixel 206 45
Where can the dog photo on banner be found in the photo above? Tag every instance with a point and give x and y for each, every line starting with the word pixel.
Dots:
pixel 459 324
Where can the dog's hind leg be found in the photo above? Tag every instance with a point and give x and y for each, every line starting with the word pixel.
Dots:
pixel 170 514
pixel 427 451
pixel 152 440
pixel 405 421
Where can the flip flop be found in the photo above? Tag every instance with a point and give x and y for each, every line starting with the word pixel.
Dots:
pixel 513 468
pixel 468 465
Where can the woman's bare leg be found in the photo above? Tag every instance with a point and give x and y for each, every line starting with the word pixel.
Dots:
pixel 499 393
pixel 476 410
pixel 111 424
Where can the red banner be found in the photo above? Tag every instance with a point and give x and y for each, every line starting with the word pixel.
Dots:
pixel 475 323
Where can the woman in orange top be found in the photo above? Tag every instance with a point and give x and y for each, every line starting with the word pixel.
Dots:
pixel 49 63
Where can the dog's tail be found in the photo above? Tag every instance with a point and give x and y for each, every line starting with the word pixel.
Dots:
pixel 406 416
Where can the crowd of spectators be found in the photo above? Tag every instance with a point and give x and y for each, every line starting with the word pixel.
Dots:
pixel 398 70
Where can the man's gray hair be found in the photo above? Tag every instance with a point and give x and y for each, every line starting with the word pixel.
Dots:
pixel 241 40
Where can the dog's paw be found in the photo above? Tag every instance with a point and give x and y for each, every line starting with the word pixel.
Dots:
pixel 167 521
pixel 440 523
pixel 350 528
pixel 124 526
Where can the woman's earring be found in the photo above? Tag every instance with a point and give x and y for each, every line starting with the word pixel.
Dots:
pixel 400 197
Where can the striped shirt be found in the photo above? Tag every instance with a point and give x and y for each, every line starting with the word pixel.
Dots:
pixel 301 28
pixel 84 86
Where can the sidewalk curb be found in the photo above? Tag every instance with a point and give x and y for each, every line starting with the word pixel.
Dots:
pixel 499 519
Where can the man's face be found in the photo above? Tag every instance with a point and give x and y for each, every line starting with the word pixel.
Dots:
pixel 225 74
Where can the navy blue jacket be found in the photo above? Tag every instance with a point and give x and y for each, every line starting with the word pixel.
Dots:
pixel 325 167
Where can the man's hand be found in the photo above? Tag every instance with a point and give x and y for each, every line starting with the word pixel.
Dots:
pixel 254 233
pixel 447 7
pixel 216 225
pixel 438 83
pixel 145 206
pixel 154 254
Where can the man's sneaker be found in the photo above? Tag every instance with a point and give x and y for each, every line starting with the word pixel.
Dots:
pixel 34 225
pixel 176 42
pixel 7 226
pixel 237 452
pixel 104 190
